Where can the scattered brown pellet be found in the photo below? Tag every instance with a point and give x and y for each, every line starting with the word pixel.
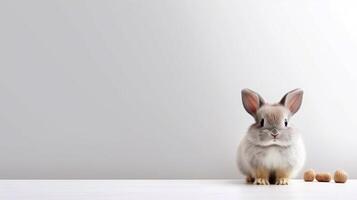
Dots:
pixel 309 175
pixel 323 177
pixel 340 176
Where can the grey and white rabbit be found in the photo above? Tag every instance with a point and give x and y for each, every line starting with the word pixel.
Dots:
pixel 272 151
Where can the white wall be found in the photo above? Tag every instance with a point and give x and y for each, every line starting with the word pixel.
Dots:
pixel 151 89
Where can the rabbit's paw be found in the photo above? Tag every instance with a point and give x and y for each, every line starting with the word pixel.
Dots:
pixel 282 181
pixel 261 181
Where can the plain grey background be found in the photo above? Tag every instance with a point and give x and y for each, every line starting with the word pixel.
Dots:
pixel 151 89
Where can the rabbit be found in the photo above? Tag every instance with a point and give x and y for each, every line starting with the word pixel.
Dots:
pixel 271 151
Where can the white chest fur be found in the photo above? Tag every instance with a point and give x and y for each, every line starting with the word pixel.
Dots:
pixel 274 158
pixel 251 156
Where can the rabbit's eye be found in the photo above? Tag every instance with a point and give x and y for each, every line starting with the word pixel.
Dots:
pixel 262 122
pixel 286 123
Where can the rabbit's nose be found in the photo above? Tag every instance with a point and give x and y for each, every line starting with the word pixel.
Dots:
pixel 274 132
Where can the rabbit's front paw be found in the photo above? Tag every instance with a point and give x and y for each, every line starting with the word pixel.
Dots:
pixel 262 176
pixel 282 176
pixel 261 181
pixel 282 181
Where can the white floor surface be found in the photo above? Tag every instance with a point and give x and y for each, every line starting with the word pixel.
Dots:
pixel 170 189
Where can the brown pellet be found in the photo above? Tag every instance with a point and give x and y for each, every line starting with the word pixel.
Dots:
pixel 340 176
pixel 309 175
pixel 323 177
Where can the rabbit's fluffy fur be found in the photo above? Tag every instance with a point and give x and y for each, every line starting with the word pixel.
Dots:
pixel 271 151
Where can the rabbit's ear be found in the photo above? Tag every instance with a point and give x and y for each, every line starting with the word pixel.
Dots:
pixel 252 101
pixel 292 100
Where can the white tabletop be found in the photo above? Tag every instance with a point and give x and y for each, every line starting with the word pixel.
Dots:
pixel 170 189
